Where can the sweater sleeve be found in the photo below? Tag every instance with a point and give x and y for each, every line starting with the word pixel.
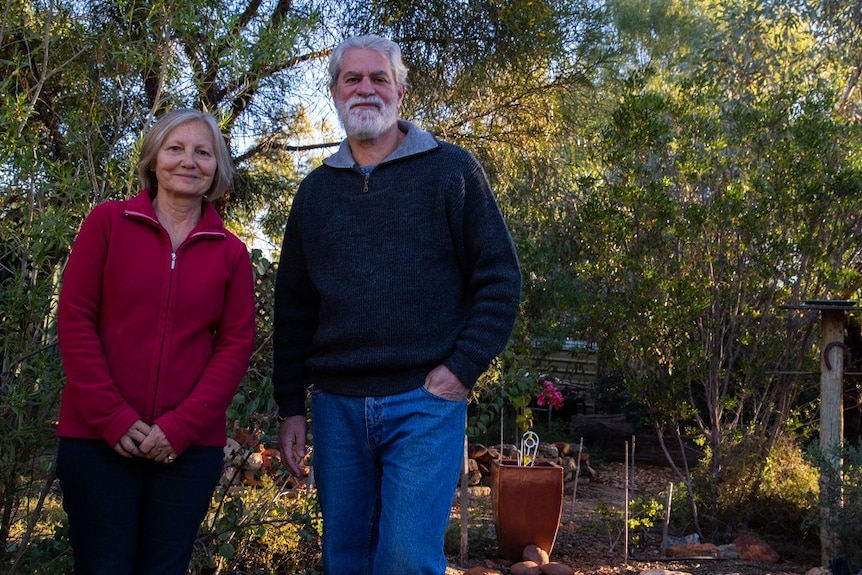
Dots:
pixel 295 319
pixel 90 388
pixel 493 276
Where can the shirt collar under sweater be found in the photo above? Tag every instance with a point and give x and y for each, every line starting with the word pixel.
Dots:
pixel 417 141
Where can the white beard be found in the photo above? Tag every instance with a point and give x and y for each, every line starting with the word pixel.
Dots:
pixel 365 124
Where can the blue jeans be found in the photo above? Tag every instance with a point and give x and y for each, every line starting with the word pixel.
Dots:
pixel 386 470
pixel 134 516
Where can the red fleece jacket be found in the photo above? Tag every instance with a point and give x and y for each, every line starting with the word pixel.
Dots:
pixel 147 333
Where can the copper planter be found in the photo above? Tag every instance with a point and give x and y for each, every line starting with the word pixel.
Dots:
pixel 527 502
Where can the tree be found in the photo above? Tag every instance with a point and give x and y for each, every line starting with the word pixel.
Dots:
pixel 82 81
pixel 721 199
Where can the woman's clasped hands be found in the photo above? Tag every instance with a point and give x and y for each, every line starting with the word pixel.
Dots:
pixel 142 440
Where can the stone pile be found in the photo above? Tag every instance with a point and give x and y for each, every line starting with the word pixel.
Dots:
pixel 746 546
pixel 247 461
pixel 481 460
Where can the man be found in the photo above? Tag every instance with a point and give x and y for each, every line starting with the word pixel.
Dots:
pixel 397 285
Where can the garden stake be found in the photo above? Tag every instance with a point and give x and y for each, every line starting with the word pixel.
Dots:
pixel 666 519
pixel 575 488
pixel 626 512
pixel 465 504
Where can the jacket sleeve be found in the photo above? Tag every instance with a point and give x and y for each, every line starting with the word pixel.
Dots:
pixel 90 389
pixel 232 349
pixel 493 275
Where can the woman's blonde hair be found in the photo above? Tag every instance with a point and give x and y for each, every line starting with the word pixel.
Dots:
pixel 156 135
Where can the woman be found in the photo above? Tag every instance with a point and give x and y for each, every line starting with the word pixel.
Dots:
pixel 156 328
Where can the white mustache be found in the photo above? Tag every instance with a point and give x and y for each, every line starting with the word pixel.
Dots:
pixel 357 101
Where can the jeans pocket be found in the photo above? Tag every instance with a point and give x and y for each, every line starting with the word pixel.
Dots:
pixel 443 397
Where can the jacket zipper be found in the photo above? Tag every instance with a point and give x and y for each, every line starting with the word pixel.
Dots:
pixel 173 266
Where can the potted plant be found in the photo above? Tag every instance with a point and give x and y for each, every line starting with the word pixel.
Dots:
pixel 527 494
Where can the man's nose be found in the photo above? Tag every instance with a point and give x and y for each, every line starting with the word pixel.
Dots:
pixel 366 86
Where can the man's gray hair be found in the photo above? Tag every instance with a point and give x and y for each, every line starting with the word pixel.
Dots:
pixel 369 42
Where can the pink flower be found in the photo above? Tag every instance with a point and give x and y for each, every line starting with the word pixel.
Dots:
pixel 550 395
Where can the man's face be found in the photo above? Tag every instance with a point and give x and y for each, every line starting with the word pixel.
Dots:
pixel 366 94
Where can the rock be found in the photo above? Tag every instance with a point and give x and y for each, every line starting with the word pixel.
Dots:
pixel 232 451
pixel 690 539
pixel 525 568
pixel 694 550
pixel 752 548
pixel 728 551
pixel 818 571
pixel 556 569
pixel 254 461
pixel 481 571
pixel 663 572
pixel 251 478
pixel 535 554
pixel 549 450
pixel 586 470
pixel 476 451
pixel 271 460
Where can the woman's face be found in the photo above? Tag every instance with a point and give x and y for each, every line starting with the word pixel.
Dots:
pixel 186 163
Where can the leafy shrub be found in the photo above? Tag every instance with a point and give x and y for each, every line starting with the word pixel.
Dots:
pixel 768 493
pixel 261 530
pixel 845 525
pixel 644 514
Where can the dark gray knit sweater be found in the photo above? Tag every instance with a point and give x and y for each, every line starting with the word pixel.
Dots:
pixel 382 278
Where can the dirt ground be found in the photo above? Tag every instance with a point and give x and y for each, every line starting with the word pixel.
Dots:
pixel 584 541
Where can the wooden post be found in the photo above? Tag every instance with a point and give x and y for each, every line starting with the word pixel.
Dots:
pixel 831 426
pixel 465 504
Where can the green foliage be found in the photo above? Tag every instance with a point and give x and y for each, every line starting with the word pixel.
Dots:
pixel 844 522
pixel 672 172
pixel 481 533
pixel 261 530
pixel 850 515
pixel 49 553
pixel 722 197
pixel 767 491
pixel 644 514
pixel 503 391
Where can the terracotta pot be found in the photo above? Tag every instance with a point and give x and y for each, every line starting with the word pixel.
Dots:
pixel 527 502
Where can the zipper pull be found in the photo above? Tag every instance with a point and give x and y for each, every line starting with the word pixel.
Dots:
pixel 173 260
pixel 365 187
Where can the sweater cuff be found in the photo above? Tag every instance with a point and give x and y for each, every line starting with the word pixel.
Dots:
pixel 465 370
pixel 291 405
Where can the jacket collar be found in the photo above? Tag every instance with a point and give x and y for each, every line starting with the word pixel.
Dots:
pixel 142 205
pixel 416 142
